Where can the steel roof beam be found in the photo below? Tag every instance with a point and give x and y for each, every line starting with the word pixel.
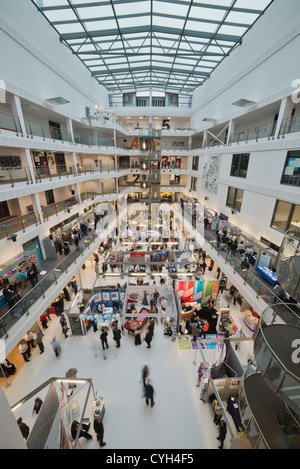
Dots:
pixel 147 29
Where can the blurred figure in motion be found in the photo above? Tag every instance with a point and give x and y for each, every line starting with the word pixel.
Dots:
pixel 56 346
pixel 145 374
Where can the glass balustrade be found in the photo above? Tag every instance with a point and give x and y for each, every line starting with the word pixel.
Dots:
pixel 255 133
pixel 36 293
pixel 17 224
pixel 10 122
pixel 290 125
pixel 14 175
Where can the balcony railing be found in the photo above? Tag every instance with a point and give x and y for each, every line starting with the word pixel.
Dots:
pixel 290 125
pixel 260 289
pixel 57 207
pixel 21 309
pixel 17 224
pixel 10 122
pixel 254 133
pixel 14 175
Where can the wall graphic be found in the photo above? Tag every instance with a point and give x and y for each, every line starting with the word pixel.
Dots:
pixel 211 170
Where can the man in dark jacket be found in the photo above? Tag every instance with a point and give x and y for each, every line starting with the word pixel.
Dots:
pixel 149 393
pixel 117 336
pixel 99 429
pixel 148 338
pixel 23 427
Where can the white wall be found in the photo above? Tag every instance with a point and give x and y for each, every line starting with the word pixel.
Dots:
pixel 39 66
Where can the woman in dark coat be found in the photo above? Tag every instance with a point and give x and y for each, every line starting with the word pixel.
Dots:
pixel 137 339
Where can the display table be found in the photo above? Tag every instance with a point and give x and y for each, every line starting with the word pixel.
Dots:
pixel 267 274
pixel 136 322
pixel 251 322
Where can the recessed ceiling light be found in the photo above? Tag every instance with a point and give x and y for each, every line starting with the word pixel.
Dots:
pixel 243 103
pixel 57 101
pixel 208 119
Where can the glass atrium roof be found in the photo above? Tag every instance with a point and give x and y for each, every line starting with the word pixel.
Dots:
pixel 139 44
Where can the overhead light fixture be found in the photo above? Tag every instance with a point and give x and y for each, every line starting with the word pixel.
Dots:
pixel 209 119
pixel 243 103
pixel 57 101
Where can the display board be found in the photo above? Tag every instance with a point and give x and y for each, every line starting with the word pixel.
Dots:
pixel 199 291
pixel 106 296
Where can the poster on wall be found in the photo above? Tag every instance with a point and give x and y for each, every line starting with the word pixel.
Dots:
pixel 211 170
pixel 264 260
pixel 210 289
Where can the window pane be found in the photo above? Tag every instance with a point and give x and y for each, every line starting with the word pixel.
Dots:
pixel 281 215
pixel 238 199
pixel 244 165
pixel 230 197
pixel 296 217
pixel 291 171
pixel 235 165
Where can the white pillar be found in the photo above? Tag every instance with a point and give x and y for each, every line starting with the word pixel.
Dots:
pixel 204 139
pixel 37 206
pixel 70 129
pixel 285 111
pixel 230 130
pixel 17 111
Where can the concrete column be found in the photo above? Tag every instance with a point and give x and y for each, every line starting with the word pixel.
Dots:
pixel 204 143
pixel 285 111
pixel 37 206
pixel 230 130
pixel 17 111
pixel 70 129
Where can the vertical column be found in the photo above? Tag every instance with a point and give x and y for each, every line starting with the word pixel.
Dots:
pixel 70 129
pixel 190 143
pixel 17 111
pixel 230 130
pixel 150 104
pixel 37 206
pixel 204 143
pixel 116 161
pixel 286 108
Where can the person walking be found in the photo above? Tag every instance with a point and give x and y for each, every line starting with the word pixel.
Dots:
pixel 30 337
pixel 99 429
pixel 103 338
pixel 117 336
pixel 151 326
pixel 24 350
pixel 37 406
pixel 67 294
pixel 39 341
pixel 148 338
pixel 56 346
pixel 200 373
pixel 23 428
pixel 222 430
pixel 149 393
pixel 145 373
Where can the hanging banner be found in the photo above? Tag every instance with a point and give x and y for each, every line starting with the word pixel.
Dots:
pixel 198 289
